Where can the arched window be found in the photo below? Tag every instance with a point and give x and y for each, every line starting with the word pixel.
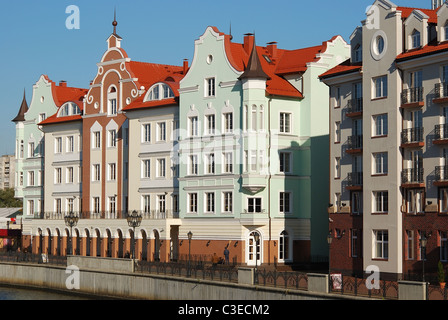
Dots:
pixel 415 39
pixel 69 109
pixel 159 91
pixel 283 247
pixel 112 101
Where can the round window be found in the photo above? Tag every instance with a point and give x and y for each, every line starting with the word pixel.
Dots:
pixel 209 59
pixel 379 45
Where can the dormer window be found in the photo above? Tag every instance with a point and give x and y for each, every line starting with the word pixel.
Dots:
pixel 69 109
pixel 112 101
pixel 416 40
pixel 159 91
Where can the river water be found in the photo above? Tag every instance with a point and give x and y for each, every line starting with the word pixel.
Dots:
pixel 13 293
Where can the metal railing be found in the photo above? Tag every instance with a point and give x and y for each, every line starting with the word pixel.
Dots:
pixel 441 132
pixel 355 179
pixel 108 215
pixel 355 105
pixel 441 90
pixel 441 173
pixel 413 175
pixel 354 142
pixel 412 135
pixel 412 95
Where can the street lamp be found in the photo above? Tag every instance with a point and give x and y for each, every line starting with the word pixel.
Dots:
pixel 257 238
pixel 423 243
pixel 134 220
pixel 71 220
pixel 329 241
pixel 190 236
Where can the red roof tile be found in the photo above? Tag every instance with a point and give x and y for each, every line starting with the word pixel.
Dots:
pixel 343 68
pixel 432 48
pixel 62 94
pixel 406 12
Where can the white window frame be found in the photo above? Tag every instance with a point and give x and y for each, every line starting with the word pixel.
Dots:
pixel 285 122
pixel 381 244
pixel 380 163
pixel 285 202
pixel 227 201
pixel 380 87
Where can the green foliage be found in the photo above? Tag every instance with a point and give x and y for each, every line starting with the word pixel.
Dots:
pixel 440 272
pixel 7 199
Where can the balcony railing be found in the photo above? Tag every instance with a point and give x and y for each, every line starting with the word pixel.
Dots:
pixel 441 173
pixel 413 135
pixel 410 176
pixel 354 142
pixel 412 95
pixel 441 90
pixel 147 215
pixel 354 179
pixel 441 132
pixel 354 105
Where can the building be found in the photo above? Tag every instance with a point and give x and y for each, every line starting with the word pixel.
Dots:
pixel 387 154
pixel 7 172
pixel 231 147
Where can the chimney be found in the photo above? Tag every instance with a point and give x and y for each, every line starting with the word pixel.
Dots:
pixel 63 83
pixel 185 66
pixel 272 49
pixel 248 42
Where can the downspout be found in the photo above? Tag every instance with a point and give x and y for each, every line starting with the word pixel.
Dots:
pixel 269 178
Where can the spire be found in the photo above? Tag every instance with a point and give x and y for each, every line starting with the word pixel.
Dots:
pixel 230 33
pixel 23 109
pixel 115 23
pixel 254 69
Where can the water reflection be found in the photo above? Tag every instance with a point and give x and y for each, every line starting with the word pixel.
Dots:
pixel 12 293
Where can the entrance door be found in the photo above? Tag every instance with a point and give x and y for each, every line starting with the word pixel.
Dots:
pixel 254 249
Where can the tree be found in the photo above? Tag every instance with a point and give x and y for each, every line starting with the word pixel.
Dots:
pixel 7 199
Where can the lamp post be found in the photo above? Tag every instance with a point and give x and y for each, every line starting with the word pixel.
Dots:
pixel 134 220
pixel 190 236
pixel 329 241
pixel 257 238
pixel 71 220
pixel 423 243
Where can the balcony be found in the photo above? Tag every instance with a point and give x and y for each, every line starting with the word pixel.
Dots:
pixel 354 108
pixel 441 93
pixel 354 144
pixel 411 138
pixel 412 178
pixel 441 134
pixel 354 181
pixel 412 97
pixel 441 176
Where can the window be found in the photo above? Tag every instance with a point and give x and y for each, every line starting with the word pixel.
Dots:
pixel 443 243
pixel 380 165
pixel 410 244
pixel 159 91
pixel 96 174
pixel 31 150
pixel 254 205
pixel 146 132
pixel 175 203
pixel 193 202
pixel 210 202
pixel 228 122
pixel 285 122
pixel 58 205
pixel 379 45
pixel 31 207
pixel 285 162
pixel 70 144
pixel 380 125
pixel 354 243
pixel 112 204
pixel 146 203
pixel 337 132
pixel 210 122
pixel 356 202
pixel 58 145
pixel 146 169
pixel 194 165
pixel 97 140
pixel 112 171
pixel 70 205
pixel 161 172
pixel 415 39
pixel 254 118
pixel 161 136
pixel 443 200
pixel 162 203
pixel 228 162
pixel 285 202
pixel 96 204
pixel 381 244
pixel 112 101
pixel 415 201
pixel 357 53
pixel 58 176
pixel 70 175
pixel 337 97
pixel 380 87
pixel 210 87
pixel 42 117
pixel 210 163
pixel 194 127
pixel 337 168
pixel 31 180
pixel 227 201
pixel 381 202
pixel 283 249
pixel 253 160
pixel 112 138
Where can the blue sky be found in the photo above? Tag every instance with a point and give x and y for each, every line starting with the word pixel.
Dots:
pixel 35 40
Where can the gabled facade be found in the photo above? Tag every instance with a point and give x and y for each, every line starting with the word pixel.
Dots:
pixel 247 150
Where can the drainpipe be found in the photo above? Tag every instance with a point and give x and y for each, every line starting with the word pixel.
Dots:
pixel 269 178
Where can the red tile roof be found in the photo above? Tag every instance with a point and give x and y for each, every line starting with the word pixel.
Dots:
pixel 406 12
pixel 54 119
pixel 62 94
pixel 343 68
pixel 432 48
pixel 149 74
